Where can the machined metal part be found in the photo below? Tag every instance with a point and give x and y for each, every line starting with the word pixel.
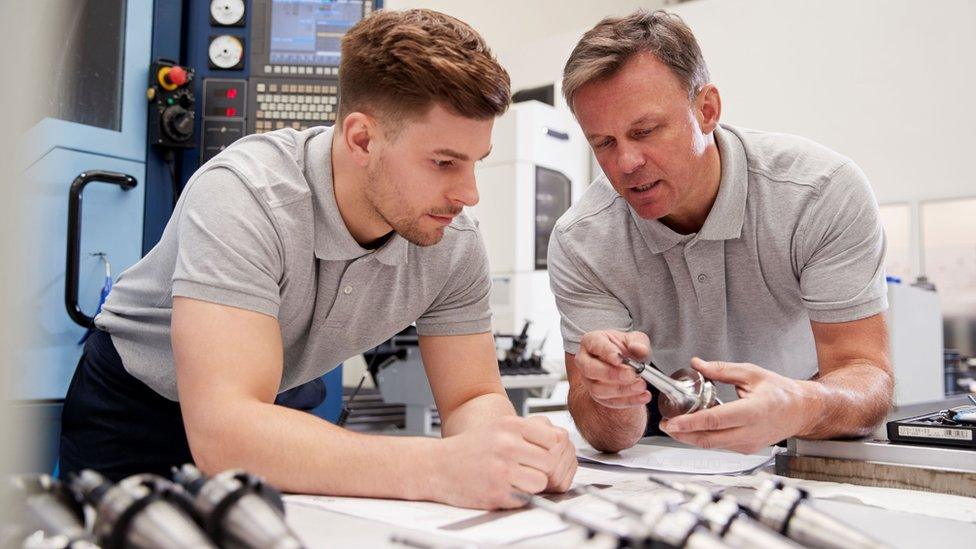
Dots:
pixel 239 509
pixel 727 518
pixel 665 522
pixel 43 504
pixel 142 511
pixel 627 537
pixel 787 509
pixel 683 392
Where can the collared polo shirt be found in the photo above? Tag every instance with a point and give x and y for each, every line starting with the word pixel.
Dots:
pixel 793 236
pixel 258 228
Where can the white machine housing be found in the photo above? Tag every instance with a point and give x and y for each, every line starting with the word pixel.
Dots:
pixel 532 137
pixel 915 330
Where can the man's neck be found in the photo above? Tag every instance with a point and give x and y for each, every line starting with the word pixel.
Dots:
pixel 349 182
pixel 690 216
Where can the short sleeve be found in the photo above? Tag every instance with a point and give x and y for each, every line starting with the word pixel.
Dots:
pixel 584 303
pixel 840 251
pixel 229 251
pixel 462 307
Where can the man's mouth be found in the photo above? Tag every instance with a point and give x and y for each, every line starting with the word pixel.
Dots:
pixel 444 219
pixel 645 187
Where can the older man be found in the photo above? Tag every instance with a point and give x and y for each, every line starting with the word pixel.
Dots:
pixel 760 252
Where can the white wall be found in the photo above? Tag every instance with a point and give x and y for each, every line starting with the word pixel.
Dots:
pixel 886 82
pixel 531 38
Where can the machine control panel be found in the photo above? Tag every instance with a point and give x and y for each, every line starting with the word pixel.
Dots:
pixel 292 104
pixel 172 104
pixel 224 110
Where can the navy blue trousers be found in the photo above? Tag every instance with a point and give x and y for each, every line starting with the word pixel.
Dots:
pixel 115 424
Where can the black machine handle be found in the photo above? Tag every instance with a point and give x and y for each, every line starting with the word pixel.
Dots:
pixel 73 261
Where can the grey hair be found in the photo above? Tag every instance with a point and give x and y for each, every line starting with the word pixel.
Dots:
pixel 605 48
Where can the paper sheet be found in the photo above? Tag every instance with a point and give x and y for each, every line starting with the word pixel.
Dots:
pixel 665 455
pixel 496 527
pixel 670 459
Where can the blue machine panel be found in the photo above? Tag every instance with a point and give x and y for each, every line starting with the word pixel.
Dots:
pixel 111 224
pixel 55 151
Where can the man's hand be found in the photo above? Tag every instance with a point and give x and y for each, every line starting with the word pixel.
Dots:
pixel 607 380
pixel 770 408
pixel 485 465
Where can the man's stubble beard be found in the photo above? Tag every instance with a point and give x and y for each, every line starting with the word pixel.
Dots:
pixel 386 199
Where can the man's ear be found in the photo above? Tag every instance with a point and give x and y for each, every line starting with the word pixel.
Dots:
pixel 708 108
pixel 358 131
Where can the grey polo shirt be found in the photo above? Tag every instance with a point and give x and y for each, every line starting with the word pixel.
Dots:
pixel 793 236
pixel 258 228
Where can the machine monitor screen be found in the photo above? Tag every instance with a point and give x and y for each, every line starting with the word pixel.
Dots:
pixel 307 32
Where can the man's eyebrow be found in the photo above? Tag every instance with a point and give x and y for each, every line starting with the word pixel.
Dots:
pixel 649 117
pixel 459 155
pixel 644 119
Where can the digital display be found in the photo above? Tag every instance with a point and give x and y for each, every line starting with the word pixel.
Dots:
pixel 308 32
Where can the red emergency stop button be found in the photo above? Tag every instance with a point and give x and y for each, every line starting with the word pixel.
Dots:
pixel 173 77
pixel 231 112
pixel 232 93
pixel 177 76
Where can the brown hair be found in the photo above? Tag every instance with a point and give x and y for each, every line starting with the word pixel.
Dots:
pixel 612 42
pixel 398 64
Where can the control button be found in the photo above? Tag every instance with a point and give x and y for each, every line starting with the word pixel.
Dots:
pixel 261 87
pixel 277 69
pixel 702 277
pixel 267 68
pixel 177 76
pixel 273 88
pixel 231 93
pixel 318 71
pixel 347 290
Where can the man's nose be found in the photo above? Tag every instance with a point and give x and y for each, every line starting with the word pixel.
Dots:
pixel 465 190
pixel 630 158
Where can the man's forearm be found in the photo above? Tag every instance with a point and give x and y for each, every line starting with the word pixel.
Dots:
pixel 298 452
pixel 850 401
pixel 606 429
pixel 476 412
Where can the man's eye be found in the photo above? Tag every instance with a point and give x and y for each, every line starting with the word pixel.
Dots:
pixel 604 144
pixel 643 132
pixel 443 163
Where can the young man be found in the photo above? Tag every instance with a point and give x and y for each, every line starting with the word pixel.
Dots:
pixel 760 250
pixel 290 252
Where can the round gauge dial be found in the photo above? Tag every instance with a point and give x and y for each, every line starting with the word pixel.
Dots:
pixel 227 12
pixel 226 51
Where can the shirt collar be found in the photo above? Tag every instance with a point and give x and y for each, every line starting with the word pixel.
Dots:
pixel 724 221
pixel 333 242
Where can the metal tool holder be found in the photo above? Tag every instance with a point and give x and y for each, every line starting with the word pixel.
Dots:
pixel 683 392
pixel 728 519
pixel 666 523
pixel 239 510
pixel 787 509
pixel 142 511
pixel 46 513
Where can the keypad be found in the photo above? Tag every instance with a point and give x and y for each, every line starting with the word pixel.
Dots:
pixel 298 106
